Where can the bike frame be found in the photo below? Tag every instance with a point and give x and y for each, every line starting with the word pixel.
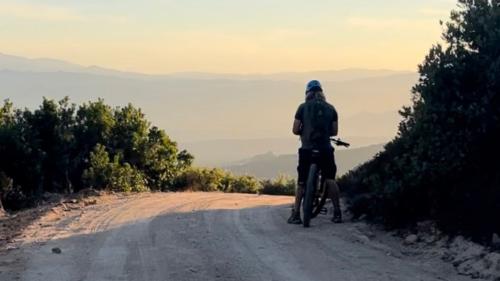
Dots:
pixel 314 200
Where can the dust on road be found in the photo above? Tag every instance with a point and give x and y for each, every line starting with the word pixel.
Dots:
pixel 207 236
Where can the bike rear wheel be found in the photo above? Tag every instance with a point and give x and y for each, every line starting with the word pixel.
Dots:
pixel 309 194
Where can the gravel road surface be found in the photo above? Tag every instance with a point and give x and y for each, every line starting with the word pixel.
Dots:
pixel 209 236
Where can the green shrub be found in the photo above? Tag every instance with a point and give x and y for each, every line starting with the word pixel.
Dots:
pixel 200 179
pixel 11 198
pixel 98 174
pixel 279 186
pixel 126 178
pixel 245 184
pixel 112 175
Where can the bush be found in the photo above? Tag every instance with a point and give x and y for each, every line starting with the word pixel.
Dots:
pixel 126 178
pixel 11 198
pixel 443 164
pixel 112 175
pixel 200 179
pixel 98 174
pixel 279 186
pixel 245 184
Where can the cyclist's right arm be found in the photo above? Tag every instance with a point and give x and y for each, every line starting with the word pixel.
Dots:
pixel 297 123
pixel 297 127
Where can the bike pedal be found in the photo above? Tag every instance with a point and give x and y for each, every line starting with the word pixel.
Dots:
pixel 323 211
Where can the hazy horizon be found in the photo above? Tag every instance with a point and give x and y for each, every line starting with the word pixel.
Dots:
pixel 220 118
pixel 227 36
pixel 168 99
pixel 192 73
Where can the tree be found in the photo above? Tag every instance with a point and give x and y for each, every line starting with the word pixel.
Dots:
pixel 98 174
pixel 51 133
pixel 61 148
pixel 129 134
pixel 444 162
pixel 94 123
pixel 21 156
pixel 159 159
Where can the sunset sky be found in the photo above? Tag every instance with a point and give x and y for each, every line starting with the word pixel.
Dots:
pixel 231 36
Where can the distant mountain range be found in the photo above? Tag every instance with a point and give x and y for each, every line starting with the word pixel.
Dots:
pixel 226 152
pixel 269 165
pixel 218 116
pixel 21 64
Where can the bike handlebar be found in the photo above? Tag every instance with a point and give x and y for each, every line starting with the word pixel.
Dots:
pixel 339 142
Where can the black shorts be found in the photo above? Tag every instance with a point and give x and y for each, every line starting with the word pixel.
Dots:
pixel 326 162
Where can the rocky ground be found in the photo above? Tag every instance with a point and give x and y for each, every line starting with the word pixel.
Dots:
pixel 468 258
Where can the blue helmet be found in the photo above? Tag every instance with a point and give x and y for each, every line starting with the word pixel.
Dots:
pixel 313 85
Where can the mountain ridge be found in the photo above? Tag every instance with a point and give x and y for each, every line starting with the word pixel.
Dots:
pixel 270 165
pixel 19 63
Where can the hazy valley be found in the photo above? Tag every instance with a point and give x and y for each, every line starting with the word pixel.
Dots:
pixel 220 118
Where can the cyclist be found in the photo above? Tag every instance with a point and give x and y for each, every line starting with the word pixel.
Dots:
pixel 315 122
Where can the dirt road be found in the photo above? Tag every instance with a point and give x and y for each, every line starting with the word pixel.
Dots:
pixel 208 236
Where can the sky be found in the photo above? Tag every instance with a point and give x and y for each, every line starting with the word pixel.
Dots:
pixel 225 36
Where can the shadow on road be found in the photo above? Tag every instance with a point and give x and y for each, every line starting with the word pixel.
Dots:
pixel 228 243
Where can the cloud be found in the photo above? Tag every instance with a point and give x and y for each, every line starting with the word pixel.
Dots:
pixel 39 12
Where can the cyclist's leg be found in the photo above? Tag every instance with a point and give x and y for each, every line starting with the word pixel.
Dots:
pixel 334 193
pixel 303 170
pixel 299 193
pixel 329 171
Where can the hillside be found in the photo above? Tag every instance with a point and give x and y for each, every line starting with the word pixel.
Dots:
pixel 270 165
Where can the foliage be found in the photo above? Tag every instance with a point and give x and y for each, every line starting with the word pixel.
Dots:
pixel 98 174
pixel 60 147
pixel 202 179
pixel 279 186
pixel 245 184
pixel 444 162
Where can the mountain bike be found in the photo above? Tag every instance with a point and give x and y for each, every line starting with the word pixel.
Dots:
pixel 316 193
